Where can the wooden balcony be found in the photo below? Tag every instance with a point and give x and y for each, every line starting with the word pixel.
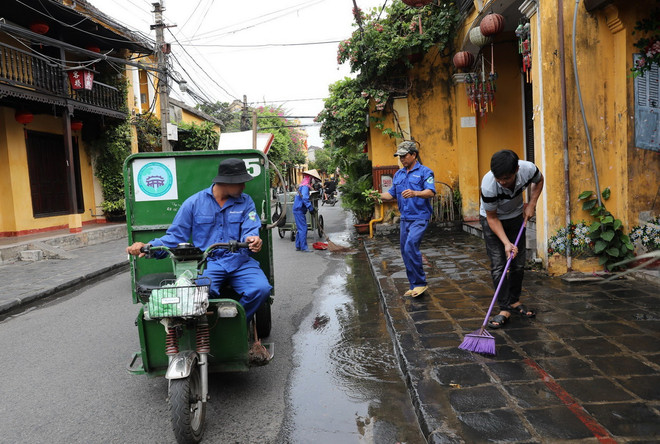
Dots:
pixel 32 77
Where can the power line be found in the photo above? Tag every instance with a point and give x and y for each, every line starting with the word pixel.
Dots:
pixel 261 45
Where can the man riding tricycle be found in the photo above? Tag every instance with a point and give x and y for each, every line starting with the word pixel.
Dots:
pixel 206 308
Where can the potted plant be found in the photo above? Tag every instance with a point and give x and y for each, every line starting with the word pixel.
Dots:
pixel 114 210
pixel 358 179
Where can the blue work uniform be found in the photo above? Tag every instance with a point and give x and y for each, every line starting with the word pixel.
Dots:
pixel 301 205
pixel 416 214
pixel 204 222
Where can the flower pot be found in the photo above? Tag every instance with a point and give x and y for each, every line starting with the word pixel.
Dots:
pixel 362 228
pixel 115 217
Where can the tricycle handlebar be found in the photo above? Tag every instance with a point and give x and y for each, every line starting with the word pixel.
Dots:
pixel 190 250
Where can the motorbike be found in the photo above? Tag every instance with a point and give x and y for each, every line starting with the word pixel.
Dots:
pixel 329 198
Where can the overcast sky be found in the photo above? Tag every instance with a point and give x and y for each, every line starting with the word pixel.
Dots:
pixel 270 51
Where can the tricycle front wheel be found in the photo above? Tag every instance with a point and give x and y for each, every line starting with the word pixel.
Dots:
pixel 187 409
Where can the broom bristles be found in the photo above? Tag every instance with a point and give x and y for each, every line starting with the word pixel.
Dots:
pixel 479 341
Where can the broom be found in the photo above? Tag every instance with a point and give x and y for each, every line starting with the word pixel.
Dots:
pixel 481 341
pixel 332 247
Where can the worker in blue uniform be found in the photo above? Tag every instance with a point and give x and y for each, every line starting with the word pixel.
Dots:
pixel 222 213
pixel 412 187
pixel 301 205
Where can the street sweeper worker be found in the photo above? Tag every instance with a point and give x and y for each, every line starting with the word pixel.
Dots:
pixel 412 187
pixel 502 213
pixel 222 213
pixel 301 205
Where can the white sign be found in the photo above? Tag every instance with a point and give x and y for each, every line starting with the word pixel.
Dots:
pixel 172 132
pixel 155 179
pixel 468 122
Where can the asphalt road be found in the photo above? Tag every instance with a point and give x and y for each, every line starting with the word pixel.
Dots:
pixel 64 377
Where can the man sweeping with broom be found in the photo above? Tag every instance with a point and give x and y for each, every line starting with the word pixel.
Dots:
pixel 503 217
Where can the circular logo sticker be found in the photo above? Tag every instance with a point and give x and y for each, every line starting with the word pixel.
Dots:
pixel 154 179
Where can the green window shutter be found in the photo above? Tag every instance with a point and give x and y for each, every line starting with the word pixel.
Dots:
pixel 647 109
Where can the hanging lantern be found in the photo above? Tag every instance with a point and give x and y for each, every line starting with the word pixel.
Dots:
pixel 24 117
pixel 39 27
pixel 416 3
pixel 81 78
pixel 93 48
pixel 477 38
pixel 492 24
pixel 76 125
pixel 463 59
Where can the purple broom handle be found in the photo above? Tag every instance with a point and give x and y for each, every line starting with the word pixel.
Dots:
pixel 506 267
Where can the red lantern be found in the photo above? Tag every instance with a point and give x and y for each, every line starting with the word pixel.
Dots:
pixel 24 117
pixel 81 78
pixel 492 24
pixel 463 59
pixel 76 125
pixel 93 48
pixel 416 3
pixel 39 27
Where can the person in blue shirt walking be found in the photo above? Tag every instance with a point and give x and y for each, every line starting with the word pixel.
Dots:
pixel 412 187
pixel 222 213
pixel 301 205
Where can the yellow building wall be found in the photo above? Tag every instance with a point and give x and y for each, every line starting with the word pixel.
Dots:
pixel 502 128
pixel 459 149
pixel 17 217
pixel 604 47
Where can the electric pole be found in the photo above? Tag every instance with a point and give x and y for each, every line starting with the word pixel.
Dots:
pixel 162 49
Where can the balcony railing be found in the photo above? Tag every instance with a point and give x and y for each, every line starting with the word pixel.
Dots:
pixel 27 71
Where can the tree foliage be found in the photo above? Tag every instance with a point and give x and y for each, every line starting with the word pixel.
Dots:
pixel 322 161
pixel 289 141
pixel 196 137
pixel 109 152
pixel 231 120
pixel 344 116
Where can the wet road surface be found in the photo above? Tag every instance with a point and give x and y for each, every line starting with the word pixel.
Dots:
pixel 347 386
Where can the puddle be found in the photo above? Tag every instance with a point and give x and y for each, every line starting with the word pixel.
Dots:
pixel 347 386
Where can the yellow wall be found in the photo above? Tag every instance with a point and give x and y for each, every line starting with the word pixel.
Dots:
pixel 16 204
pixel 459 151
pixel 502 128
pixel 604 58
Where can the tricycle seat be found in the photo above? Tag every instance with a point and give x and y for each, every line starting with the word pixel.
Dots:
pixel 148 282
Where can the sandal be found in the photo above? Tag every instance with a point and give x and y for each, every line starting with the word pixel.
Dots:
pixel 522 311
pixel 408 293
pixel 418 291
pixel 498 321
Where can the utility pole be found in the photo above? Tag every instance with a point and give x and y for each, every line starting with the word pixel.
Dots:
pixel 245 119
pixel 162 49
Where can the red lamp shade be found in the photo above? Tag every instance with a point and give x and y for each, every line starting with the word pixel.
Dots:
pixel 24 117
pixel 416 3
pixel 492 24
pixel 463 59
pixel 76 125
pixel 39 27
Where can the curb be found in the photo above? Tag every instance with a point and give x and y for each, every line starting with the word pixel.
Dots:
pixel 426 421
pixel 80 281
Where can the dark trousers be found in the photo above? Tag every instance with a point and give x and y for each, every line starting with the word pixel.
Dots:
pixel 512 286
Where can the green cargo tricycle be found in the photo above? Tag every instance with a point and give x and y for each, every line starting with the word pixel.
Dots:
pixel 185 335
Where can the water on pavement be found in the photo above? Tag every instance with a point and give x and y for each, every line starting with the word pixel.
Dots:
pixel 347 386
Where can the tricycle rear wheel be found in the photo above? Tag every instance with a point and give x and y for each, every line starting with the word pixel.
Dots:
pixel 187 409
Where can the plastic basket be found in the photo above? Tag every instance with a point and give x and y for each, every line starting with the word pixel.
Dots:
pixel 170 301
